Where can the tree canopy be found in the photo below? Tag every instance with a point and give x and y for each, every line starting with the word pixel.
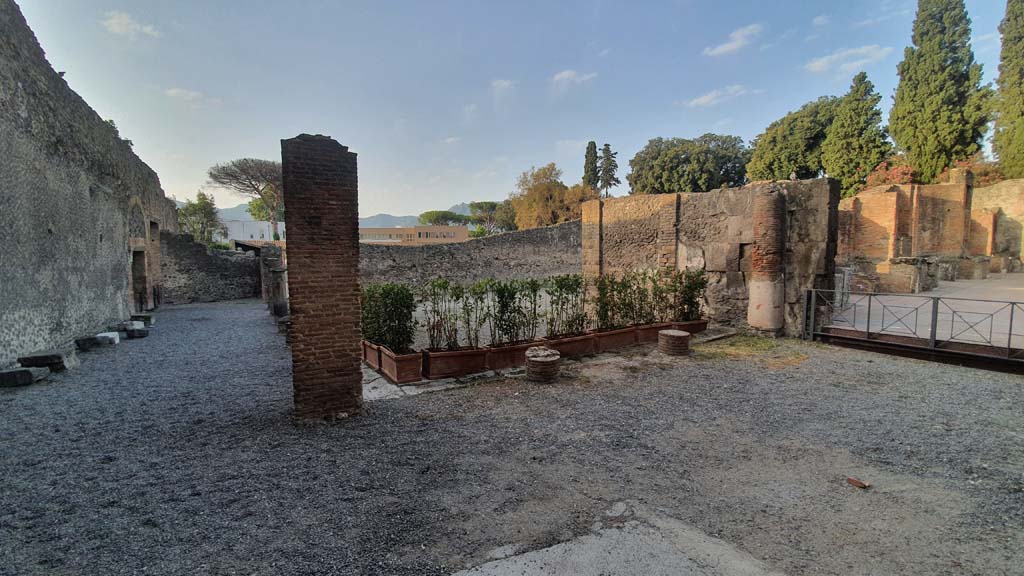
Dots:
pixel 791 146
pixel 254 178
pixel 200 219
pixel 1008 142
pixel 259 211
pixel 855 143
pixel 940 110
pixel 607 170
pixel 443 218
pixel 541 199
pixel 590 174
pixel 680 165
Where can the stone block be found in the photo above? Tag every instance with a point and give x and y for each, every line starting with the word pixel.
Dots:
pixel 55 360
pixel 87 343
pixel 111 337
pixel 135 333
pixel 22 376
pixel 722 257
pixel 146 319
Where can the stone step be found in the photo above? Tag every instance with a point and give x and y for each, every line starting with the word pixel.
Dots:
pixel 145 318
pixel 22 376
pixel 134 333
pixel 55 360
pixel 87 343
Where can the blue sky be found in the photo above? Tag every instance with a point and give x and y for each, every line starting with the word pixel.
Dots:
pixel 448 101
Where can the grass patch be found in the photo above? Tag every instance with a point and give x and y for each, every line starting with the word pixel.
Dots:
pixel 772 353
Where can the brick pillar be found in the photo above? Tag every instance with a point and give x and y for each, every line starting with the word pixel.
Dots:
pixel 668 231
pixel 592 234
pixel 321 199
pixel 766 308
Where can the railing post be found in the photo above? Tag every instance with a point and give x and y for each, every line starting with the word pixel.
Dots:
pixel 867 327
pixel 935 322
pixel 812 306
pixel 1009 331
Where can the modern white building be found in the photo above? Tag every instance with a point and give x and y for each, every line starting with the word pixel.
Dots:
pixel 249 230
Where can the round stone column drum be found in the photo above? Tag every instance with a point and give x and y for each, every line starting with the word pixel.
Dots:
pixel 542 364
pixel 674 342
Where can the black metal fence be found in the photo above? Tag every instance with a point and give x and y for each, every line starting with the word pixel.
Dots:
pixel 988 328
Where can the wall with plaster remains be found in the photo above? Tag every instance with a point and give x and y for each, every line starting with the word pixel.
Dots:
pixel 194 273
pixel 1008 198
pixel 78 206
pixel 715 231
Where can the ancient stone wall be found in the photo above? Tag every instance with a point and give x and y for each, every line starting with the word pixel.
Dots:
pixel 1009 197
pixel 535 253
pixel 941 221
pixel 194 273
pixel 78 206
pixel 715 231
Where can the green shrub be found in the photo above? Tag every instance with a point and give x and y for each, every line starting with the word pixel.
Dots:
pixel 567 315
pixel 388 316
pixel 442 301
pixel 474 311
pixel 529 296
pixel 686 290
pixel 220 246
pixel 506 316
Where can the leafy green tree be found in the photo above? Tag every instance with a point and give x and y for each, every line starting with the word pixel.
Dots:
pixel 442 218
pixel 608 166
pixel 505 216
pixel 200 219
pixel 855 142
pixel 542 199
pixel 1008 142
pixel 257 208
pixel 791 146
pixel 255 178
pixel 672 165
pixel 590 174
pixel 940 110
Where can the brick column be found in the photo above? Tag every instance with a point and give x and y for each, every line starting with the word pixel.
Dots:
pixel 765 309
pixel 321 199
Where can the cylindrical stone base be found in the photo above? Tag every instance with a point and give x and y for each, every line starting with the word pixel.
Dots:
pixel 542 364
pixel 674 342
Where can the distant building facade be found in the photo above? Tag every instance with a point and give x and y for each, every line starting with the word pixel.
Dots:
pixel 414 235
pixel 248 230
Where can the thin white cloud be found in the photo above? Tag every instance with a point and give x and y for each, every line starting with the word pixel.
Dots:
pixel 737 40
pixel 821 20
pixel 604 53
pixel 501 85
pixel 122 24
pixel 451 140
pixel 849 59
pixel 502 92
pixel 886 12
pixel 570 148
pixel 719 95
pixel 470 113
pixel 567 78
pixel 191 97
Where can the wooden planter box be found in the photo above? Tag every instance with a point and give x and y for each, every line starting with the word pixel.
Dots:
pixel 691 326
pixel 648 333
pixel 572 346
pixel 502 357
pixel 401 368
pixel 371 354
pixel 614 339
pixel 444 363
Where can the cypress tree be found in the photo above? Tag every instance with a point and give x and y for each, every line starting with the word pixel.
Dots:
pixel 607 178
pixel 940 109
pixel 791 146
pixel 590 175
pixel 1008 143
pixel 855 142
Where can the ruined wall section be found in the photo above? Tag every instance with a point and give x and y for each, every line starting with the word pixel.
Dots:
pixel 534 253
pixel 194 273
pixel 715 231
pixel 66 184
pixel 1008 196
pixel 941 220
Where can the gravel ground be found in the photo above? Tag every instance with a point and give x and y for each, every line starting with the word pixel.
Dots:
pixel 177 455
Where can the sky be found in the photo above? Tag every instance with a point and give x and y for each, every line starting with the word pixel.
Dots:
pixel 449 101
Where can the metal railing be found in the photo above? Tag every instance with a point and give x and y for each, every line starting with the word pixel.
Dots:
pixel 964 326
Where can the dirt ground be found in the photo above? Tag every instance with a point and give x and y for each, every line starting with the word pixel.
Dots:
pixel 163 456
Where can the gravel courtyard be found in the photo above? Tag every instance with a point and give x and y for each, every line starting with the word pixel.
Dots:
pixel 176 454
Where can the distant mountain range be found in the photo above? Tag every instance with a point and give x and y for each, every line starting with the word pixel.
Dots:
pixel 376 221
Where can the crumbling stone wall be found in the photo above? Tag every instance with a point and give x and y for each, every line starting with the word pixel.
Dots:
pixel 714 231
pixel 194 273
pixel 1008 197
pixel 68 188
pixel 535 253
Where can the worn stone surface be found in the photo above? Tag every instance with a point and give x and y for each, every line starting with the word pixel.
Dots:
pixel 87 343
pixel 321 191
pixel 18 377
pixel 136 333
pixel 194 273
pixel 76 199
pixel 1008 197
pixel 55 360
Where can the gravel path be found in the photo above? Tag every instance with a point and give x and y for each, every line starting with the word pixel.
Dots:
pixel 176 455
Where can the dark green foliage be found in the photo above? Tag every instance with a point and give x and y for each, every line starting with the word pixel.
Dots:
pixel 387 316
pixel 442 314
pixel 507 318
pixel 590 174
pixel 1008 142
pixel 686 292
pixel 605 307
pixel 940 109
pixel 855 143
pixel 567 315
pixel 666 166
pixel 474 311
pixel 505 216
pixel 443 218
pixel 200 219
pixel 220 246
pixel 608 167
pixel 791 146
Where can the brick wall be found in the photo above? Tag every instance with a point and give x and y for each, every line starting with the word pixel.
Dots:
pixel 1009 197
pixel 941 220
pixel 714 231
pixel 983 231
pixel 321 191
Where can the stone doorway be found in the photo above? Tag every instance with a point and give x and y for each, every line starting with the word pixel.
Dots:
pixel 139 285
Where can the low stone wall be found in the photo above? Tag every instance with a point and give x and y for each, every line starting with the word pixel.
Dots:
pixel 535 253
pixel 194 273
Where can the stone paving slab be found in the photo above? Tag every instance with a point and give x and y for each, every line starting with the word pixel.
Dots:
pixel 22 376
pixel 55 360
